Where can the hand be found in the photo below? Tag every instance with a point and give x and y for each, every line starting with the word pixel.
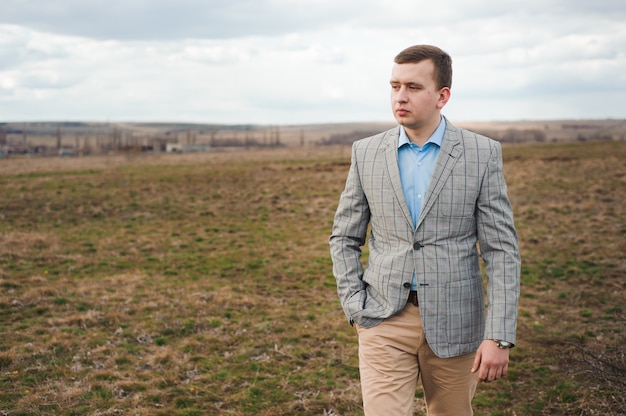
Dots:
pixel 491 362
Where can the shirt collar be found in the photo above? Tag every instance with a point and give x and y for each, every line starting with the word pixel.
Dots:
pixel 435 138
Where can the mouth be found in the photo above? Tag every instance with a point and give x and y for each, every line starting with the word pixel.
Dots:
pixel 402 112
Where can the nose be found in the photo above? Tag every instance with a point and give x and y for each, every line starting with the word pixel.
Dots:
pixel 401 95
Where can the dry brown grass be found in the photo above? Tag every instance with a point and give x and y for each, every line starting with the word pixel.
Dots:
pixel 200 284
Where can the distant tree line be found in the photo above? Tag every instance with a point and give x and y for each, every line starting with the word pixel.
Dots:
pixel 347 138
pixel 515 135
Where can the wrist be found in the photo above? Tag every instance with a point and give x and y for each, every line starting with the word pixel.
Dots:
pixel 503 345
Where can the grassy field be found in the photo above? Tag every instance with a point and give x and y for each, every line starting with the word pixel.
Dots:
pixel 201 285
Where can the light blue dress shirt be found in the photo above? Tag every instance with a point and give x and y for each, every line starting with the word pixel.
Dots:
pixel 416 169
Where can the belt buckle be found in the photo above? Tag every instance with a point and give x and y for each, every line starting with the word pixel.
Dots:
pixel 413 298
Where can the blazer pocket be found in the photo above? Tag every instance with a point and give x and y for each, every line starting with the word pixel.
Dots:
pixel 457 199
pixel 457 210
pixel 372 308
pixel 466 311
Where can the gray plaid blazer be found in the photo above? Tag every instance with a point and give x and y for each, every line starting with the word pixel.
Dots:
pixel 466 204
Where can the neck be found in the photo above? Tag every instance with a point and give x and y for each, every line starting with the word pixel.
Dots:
pixel 420 134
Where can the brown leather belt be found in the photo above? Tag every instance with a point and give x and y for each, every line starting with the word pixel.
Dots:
pixel 413 298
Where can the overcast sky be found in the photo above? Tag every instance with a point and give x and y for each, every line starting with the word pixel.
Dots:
pixel 305 61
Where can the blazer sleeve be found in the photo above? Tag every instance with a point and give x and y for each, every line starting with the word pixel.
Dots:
pixel 348 236
pixel 499 249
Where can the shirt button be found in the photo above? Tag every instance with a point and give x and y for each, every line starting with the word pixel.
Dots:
pixel 419 196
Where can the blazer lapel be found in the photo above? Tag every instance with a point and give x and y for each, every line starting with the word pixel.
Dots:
pixel 393 171
pixel 448 156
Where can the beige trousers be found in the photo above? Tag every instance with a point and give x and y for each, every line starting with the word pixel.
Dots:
pixel 394 354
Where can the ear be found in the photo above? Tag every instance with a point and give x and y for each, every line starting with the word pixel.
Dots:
pixel 444 96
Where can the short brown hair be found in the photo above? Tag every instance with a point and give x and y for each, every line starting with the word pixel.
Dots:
pixel 442 61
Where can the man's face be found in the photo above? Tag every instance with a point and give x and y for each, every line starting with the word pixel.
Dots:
pixel 415 99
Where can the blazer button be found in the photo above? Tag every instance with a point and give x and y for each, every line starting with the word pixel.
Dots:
pixel 417 246
pixel 407 285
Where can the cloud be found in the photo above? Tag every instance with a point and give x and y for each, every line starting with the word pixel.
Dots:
pixel 174 19
pixel 293 61
pixel 225 19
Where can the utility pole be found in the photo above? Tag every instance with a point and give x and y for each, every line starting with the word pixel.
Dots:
pixel 58 138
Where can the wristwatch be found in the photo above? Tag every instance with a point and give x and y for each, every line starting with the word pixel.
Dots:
pixel 503 344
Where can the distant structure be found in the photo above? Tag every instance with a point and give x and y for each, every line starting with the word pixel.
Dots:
pixel 3 141
pixel 185 148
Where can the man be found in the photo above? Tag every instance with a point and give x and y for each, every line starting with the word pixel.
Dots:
pixel 429 193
